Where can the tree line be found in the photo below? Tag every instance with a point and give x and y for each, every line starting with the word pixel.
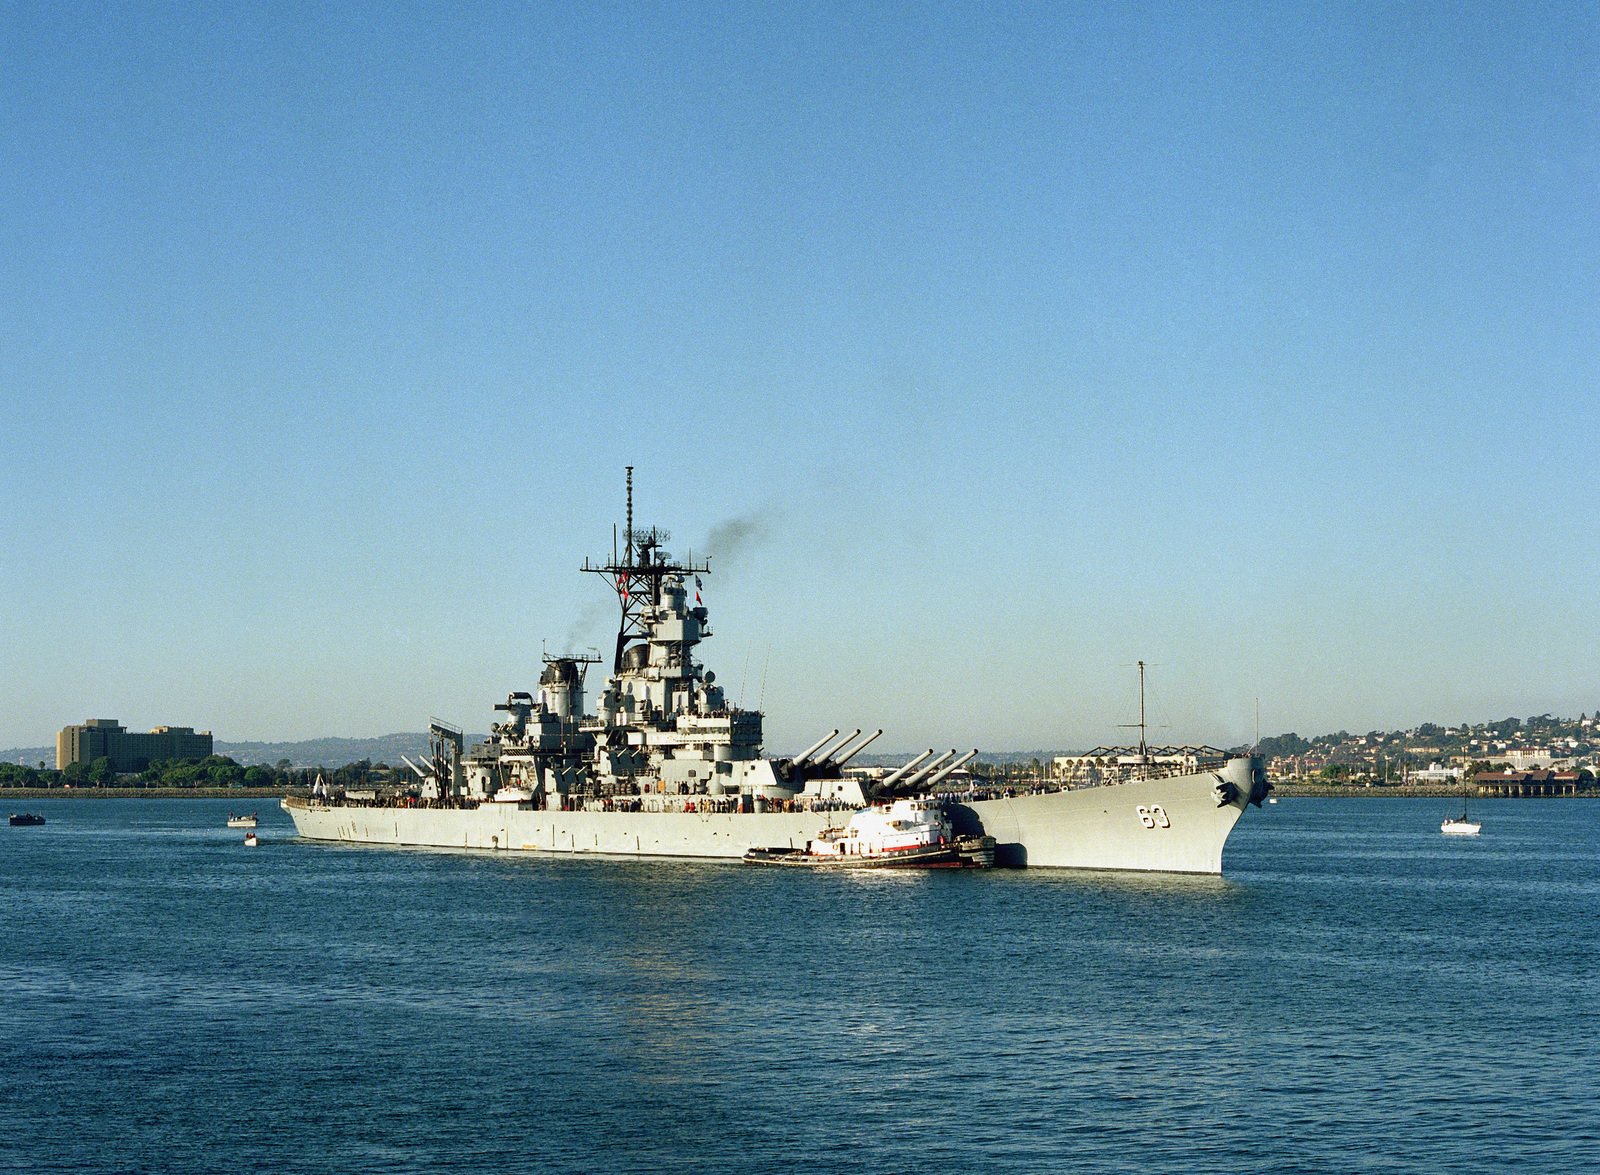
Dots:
pixel 215 771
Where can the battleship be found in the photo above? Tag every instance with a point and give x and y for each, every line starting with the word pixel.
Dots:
pixel 664 766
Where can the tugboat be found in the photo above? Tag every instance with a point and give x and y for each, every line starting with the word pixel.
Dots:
pixel 26 820
pixel 905 834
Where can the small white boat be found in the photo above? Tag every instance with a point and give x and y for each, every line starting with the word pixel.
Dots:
pixel 1460 825
pixel 914 834
pixel 250 841
pixel 512 795
pixel 241 821
pixel 1272 799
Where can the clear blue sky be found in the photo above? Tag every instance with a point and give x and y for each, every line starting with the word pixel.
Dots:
pixel 1018 342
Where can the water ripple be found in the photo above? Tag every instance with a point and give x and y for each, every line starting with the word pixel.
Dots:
pixel 1358 994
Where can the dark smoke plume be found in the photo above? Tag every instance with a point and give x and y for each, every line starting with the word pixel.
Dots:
pixel 730 540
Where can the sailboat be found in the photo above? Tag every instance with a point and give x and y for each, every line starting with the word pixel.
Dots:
pixel 1460 825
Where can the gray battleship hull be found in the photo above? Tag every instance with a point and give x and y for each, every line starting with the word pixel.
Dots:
pixel 1175 824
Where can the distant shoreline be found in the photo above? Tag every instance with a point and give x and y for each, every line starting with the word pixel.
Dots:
pixel 1283 790
pixel 150 793
pixel 1418 791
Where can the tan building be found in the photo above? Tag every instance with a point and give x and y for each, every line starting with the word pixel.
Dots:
pixel 1527 783
pixel 106 738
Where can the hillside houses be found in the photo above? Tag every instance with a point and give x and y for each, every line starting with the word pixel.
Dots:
pixel 1567 750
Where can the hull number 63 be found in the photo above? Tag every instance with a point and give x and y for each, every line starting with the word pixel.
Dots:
pixel 1153 816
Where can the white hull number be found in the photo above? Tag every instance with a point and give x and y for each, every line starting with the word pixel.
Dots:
pixel 1153 816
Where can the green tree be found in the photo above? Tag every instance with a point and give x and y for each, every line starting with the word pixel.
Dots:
pixel 16 775
pixel 222 772
pixel 1283 744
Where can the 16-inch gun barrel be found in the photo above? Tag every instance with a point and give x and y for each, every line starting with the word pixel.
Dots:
pixel 957 765
pixel 918 778
pixel 899 772
pixel 839 760
pixel 801 759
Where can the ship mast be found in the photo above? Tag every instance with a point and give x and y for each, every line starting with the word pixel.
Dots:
pixel 1144 747
pixel 636 576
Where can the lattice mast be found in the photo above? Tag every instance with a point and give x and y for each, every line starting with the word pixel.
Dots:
pixel 636 574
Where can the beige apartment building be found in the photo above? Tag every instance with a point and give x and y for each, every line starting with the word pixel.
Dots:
pixel 107 738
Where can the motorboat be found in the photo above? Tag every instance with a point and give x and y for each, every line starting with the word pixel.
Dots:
pixel 907 833
pixel 250 841
pixel 26 819
pixel 241 821
pixel 512 795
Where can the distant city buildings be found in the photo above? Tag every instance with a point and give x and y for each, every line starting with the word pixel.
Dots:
pixel 1529 758
pixel 106 738
pixel 1447 756
pixel 1089 767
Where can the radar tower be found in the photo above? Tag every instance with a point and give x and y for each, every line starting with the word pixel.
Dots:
pixel 637 577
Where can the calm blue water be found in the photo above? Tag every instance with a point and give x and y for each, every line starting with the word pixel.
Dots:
pixel 1359 994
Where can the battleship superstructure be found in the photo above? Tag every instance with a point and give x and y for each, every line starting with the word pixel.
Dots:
pixel 664 766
